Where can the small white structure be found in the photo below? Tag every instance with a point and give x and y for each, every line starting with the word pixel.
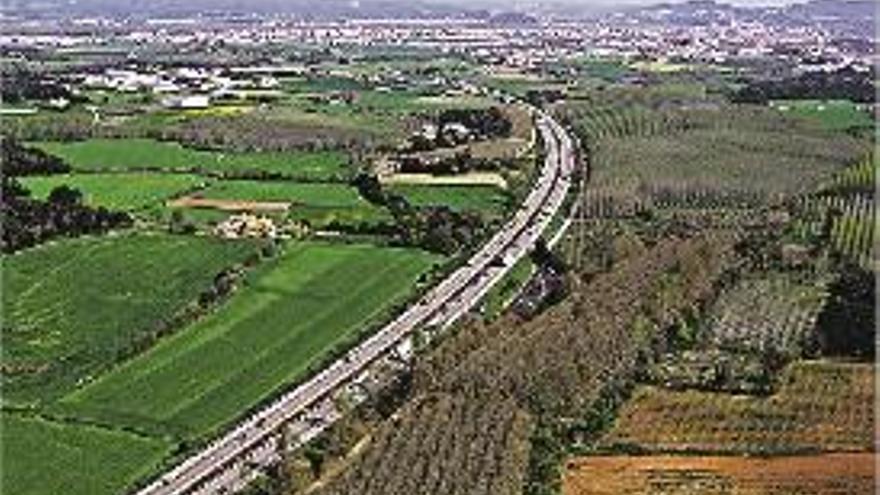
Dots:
pixel 59 103
pixel 246 225
pixel 187 102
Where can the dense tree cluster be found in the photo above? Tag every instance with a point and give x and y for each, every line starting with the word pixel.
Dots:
pixel 483 123
pixel 434 228
pixel 451 164
pixel 843 84
pixel 28 221
pixel 19 161
pixel 481 396
pixel 847 325
pixel 461 125
pixel 257 133
pixel 21 85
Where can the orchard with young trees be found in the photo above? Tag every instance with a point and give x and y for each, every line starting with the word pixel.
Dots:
pixel 712 245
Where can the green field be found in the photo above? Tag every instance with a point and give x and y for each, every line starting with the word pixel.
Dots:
pixel 43 457
pixel 71 307
pixel 486 199
pixel 123 191
pixel 313 194
pixel 293 312
pixel 137 154
pixel 319 204
pixel 836 115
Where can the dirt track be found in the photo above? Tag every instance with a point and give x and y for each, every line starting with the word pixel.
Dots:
pixel 229 205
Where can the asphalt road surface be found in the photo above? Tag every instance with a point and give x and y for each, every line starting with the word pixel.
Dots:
pixel 441 306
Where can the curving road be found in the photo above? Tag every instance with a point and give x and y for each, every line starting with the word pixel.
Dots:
pixel 441 306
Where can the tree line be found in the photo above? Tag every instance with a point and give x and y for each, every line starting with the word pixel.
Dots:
pixel 29 221
pixel 433 228
pixel 843 84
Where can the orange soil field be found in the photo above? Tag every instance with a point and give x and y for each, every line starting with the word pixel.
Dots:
pixel 829 474
pixel 819 406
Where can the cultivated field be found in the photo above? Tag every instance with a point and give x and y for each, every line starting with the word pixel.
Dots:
pixel 324 195
pixel 290 315
pixel 829 474
pixel 43 457
pixel 830 114
pixel 486 199
pixel 759 160
pixel 468 179
pixel 121 191
pixel 769 313
pixel 71 308
pixel 319 204
pixel 141 154
pixel 820 406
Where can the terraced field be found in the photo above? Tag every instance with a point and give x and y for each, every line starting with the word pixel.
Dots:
pixel 42 457
pixel 72 307
pixel 140 154
pixel 292 313
pixel 123 191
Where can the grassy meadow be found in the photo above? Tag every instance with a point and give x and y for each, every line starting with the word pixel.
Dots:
pixel 72 307
pixel 43 457
pixel 835 115
pixel 484 199
pixel 290 315
pixel 141 154
pixel 318 204
pixel 122 191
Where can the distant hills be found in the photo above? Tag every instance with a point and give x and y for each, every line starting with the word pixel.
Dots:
pixel 855 17
pixel 317 9
pixel 846 17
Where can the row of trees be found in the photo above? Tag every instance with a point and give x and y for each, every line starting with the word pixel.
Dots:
pixel 457 163
pixel 434 228
pixel 461 125
pixel 20 85
pixel 19 161
pixel 481 396
pixel 843 84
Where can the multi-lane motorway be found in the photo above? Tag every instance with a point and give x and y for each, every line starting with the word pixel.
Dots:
pixel 442 305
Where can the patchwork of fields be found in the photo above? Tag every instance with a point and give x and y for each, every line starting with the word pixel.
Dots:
pixel 122 351
pixel 268 334
pixel 319 204
pixel 815 435
pixel 74 306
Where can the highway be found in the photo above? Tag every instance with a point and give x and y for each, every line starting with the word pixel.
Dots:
pixel 441 306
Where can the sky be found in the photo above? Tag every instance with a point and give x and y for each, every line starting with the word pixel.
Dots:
pixel 611 3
